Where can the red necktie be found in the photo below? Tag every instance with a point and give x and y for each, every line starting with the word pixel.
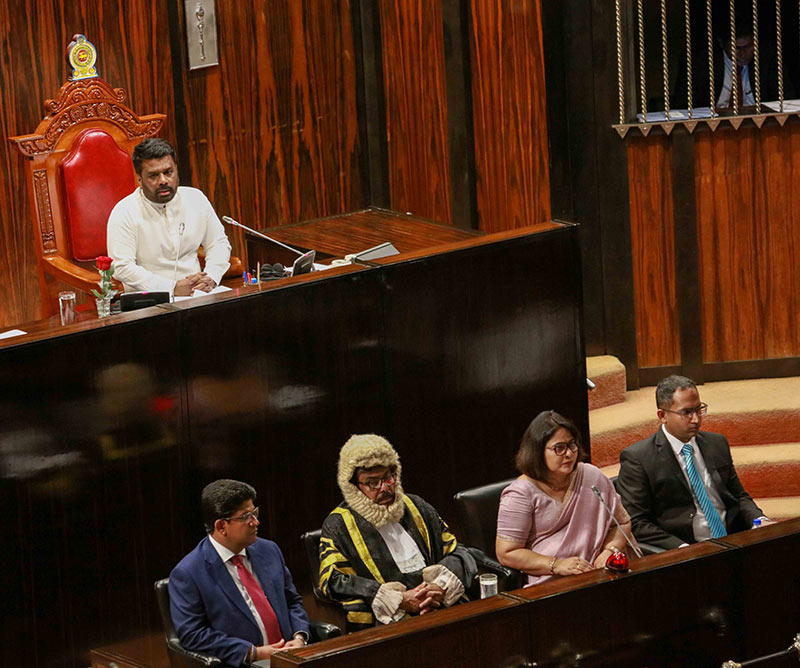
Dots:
pixel 260 601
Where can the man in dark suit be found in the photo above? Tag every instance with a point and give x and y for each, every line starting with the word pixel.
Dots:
pixel 679 485
pixel 232 596
pixel 725 74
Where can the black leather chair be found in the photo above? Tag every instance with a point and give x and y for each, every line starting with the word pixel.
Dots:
pixel 477 514
pixel 179 657
pixel 310 540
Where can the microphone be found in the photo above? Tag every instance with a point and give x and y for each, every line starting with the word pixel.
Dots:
pixel 231 221
pixel 181 228
pixel 632 545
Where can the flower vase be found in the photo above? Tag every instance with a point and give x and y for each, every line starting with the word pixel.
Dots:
pixel 103 307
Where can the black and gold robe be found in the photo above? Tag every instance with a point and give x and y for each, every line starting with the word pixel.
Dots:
pixel 355 561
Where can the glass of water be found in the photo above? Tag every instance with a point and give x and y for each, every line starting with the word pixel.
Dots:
pixel 488 582
pixel 66 306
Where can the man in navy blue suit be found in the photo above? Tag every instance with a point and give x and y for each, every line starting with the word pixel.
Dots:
pixel 232 596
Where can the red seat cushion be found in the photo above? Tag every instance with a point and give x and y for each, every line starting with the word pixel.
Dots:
pixel 96 174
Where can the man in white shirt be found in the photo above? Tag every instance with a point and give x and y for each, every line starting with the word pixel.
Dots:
pixel 679 485
pixel 385 554
pixel 154 233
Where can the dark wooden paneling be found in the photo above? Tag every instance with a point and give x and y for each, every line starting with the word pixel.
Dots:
pixel 371 103
pixel 91 480
pixel 747 210
pixel 653 248
pixel 463 195
pixel 487 633
pixel 510 116
pixel 110 431
pixel 699 607
pixel 676 630
pixel 416 107
pixel 274 405
pixel 495 396
pixel 132 38
pixel 567 29
pixel 687 255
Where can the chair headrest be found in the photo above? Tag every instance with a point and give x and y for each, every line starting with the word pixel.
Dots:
pixel 96 174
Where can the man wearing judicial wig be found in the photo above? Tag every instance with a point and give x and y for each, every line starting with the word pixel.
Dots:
pixel 385 554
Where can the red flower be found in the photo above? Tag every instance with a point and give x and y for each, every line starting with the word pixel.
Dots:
pixel 104 262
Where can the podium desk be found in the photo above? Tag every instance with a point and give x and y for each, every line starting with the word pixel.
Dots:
pixel 690 607
pixel 110 429
pixel 149 651
pixel 340 235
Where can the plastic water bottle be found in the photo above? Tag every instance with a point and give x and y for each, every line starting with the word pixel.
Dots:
pixel 756 523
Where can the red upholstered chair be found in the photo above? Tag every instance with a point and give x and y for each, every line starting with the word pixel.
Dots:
pixel 78 168
pixel 96 174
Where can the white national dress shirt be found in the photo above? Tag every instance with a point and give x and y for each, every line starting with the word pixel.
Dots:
pixel 699 522
pixel 225 554
pixel 144 239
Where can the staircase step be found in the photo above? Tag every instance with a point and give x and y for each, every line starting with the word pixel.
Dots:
pixel 769 470
pixel 748 412
pixel 780 508
pixel 764 470
pixel 608 374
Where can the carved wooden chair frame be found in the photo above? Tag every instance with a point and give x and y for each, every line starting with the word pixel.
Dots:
pixel 80 104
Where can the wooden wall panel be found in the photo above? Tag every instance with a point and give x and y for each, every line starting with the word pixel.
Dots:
pixel 132 37
pixel 510 124
pixel 416 107
pixel 653 250
pixel 273 130
pixel 748 205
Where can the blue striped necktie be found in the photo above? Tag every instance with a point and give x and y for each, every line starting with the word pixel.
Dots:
pixel 712 516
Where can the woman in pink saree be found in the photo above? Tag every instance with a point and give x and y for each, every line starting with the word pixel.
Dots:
pixel 550 522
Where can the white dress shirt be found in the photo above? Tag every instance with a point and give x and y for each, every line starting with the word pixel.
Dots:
pixel 747 98
pixel 225 554
pixel 699 522
pixel 154 245
pixel 402 547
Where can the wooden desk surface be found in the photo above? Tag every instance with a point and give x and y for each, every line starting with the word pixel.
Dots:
pixel 335 237
pixel 353 232
pixel 695 606
pixel 148 651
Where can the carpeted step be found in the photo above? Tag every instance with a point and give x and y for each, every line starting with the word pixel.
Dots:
pixel 748 412
pixel 780 508
pixel 769 470
pixel 608 374
pixel 765 470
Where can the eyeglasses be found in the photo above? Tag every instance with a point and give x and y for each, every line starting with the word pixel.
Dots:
pixel 247 517
pixel 375 484
pixel 687 413
pixel 561 448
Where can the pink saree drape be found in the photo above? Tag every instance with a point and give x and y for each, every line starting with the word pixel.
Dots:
pixel 575 527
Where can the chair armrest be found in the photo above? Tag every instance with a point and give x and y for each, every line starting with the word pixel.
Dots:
pixel 485 562
pixel 319 631
pixel 236 268
pixel 507 578
pixel 647 548
pixel 75 275
pixel 189 658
